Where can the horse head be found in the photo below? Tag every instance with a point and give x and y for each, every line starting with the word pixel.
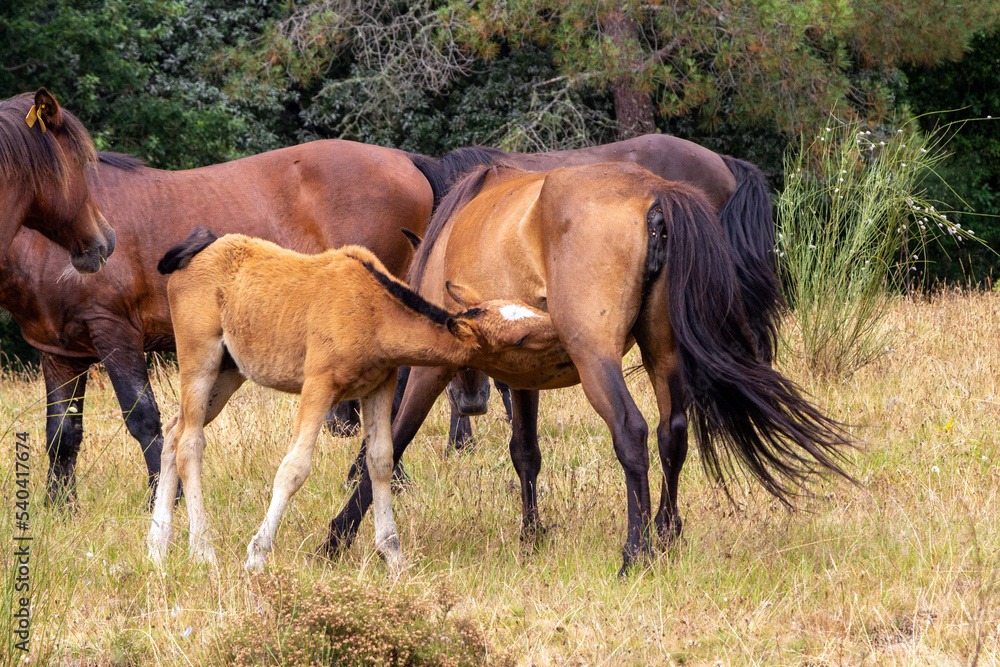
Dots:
pixel 45 156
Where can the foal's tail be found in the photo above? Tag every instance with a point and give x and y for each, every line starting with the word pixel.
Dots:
pixel 749 224
pixel 180 255
pixel 734 396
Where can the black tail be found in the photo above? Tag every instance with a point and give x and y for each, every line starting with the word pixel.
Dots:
pixel 734 396
pixel 749 224
pixel 180 255
pixel 442 173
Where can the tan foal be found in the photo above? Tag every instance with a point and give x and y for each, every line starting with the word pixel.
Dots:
pixel 330 327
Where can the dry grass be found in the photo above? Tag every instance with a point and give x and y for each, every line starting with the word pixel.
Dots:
pixel 899 570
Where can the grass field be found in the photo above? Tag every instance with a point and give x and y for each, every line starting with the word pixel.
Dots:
pixel 901 569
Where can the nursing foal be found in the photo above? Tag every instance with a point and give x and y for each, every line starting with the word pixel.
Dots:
pixel 331 326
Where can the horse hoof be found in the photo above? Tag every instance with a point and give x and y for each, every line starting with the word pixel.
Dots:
pixel 203 553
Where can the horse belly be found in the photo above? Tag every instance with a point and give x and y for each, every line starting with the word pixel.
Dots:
pixel 276 371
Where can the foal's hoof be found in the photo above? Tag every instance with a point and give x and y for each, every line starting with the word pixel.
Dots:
pixel 392 553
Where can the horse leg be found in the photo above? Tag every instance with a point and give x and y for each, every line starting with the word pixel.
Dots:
pixel 159 533
pixel 377 408
pixel 318 394
pixel 505 395
pixel 344 419
pixel 423 387
pixel 527 460
pixel 459 429
pixel 604 385
pixel 121 352
pixel 65 388
pixel 656 342
pixel 200 364
pixel 398 474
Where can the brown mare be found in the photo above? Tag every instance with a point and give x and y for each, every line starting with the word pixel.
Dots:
pixel 329 326
pixel 617 256
pixel 45 156
pixel 311 197
pixel 734 188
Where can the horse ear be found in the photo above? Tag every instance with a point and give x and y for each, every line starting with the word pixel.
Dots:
pixel 461 329
pixel 46 111
pixel 412 237
pixel 466 297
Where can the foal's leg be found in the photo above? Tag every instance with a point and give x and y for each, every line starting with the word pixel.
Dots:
pixel 65 387
pixel 318 395
pixel 200 353
pixel 159 534
pixel 377 409
pixel 158 538
pixel 424 385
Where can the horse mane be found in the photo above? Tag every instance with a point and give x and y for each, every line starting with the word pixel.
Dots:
pixel 402 293
pixel 442 173
pixel 29 156
pixel 121 160
pixel 459 195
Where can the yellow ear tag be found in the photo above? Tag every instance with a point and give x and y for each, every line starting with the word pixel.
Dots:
pixel 33 115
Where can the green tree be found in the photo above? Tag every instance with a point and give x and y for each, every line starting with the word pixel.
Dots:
pixel 966 95
pixel 139 73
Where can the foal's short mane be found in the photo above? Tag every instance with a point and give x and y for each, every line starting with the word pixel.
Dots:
pixel 404 294
pixel 461 194
pixel 30 156
pixel 121 161
pixel 443 172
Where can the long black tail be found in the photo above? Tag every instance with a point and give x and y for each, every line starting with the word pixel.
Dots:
pixel 749 225
pixel 760 417
pixel 180 255
pixel 442 173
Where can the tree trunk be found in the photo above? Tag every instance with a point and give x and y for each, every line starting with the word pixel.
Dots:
pixel 633 108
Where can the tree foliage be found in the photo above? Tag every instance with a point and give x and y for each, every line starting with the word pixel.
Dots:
pixel 184 83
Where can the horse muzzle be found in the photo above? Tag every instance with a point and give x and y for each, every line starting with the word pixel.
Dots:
pixel 96 253
pixel 469 403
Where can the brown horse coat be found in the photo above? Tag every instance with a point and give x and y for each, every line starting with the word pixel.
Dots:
pixel 308 198
pixel 45 156
pixel 734 188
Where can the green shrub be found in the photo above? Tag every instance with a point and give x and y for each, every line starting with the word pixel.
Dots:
pixel 853 226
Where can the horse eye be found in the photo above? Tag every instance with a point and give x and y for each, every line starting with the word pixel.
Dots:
pixel 521 342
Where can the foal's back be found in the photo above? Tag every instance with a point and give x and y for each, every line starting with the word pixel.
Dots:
pixel 277 311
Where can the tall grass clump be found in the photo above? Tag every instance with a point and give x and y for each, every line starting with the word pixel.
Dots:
pixel 853 222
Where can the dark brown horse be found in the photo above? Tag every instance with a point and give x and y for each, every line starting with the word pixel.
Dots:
pixel 734 188
pixel 617 256
pixel 308 198
pixel 45 156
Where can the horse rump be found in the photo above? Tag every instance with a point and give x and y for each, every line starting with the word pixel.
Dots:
pixel 180 255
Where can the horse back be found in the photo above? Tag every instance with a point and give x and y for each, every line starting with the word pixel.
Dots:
pixel 671 158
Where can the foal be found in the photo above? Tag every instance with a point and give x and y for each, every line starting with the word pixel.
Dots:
pixel 331 326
